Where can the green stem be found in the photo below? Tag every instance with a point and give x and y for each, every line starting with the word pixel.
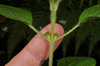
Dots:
pixel 38 32
pixel 51 54
pixel 53 7
pixel 53 19
pixel 68 32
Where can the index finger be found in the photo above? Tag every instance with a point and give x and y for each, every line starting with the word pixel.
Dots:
pixel 37 50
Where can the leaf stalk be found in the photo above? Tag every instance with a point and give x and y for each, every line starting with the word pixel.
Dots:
pixel 38 32
pixel 68 32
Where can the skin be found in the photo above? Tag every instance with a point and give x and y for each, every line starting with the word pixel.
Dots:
pixel 37 50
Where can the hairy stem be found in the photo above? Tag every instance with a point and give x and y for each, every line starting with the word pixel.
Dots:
pixel 53 8
pixel 53 19
pixel 51 54
pixel 68 32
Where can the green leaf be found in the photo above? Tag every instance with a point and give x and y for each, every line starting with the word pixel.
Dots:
pixel 76 61
pixel 16 13
pixel 55 36
pixel 47 34
pixel 92 12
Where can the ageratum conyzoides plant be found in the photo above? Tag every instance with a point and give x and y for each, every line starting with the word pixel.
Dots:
pixel 26 17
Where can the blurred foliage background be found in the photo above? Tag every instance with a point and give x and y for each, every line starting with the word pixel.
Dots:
pixel 83 42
